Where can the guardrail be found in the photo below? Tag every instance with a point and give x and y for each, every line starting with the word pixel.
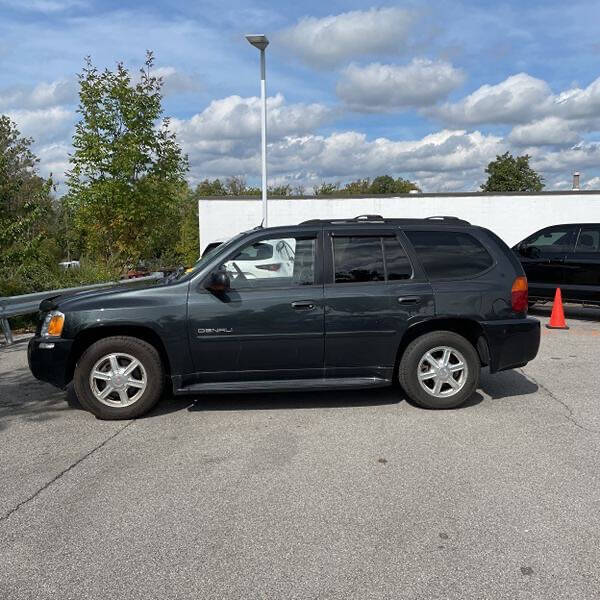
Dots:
pixel 15 306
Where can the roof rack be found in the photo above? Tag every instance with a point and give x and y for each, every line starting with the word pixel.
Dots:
pixel 379 219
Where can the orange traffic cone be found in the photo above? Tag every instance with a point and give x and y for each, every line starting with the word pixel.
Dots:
pixel 557 318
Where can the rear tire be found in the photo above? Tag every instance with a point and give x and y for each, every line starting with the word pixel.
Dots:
pixel 439 370
pixel 119 377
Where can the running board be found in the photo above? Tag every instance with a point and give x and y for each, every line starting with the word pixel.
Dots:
pixel 284 385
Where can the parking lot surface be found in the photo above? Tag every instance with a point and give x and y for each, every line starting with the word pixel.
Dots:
pixel 310 495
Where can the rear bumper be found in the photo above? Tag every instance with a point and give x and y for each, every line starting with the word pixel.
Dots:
pixel 512 343
pixel 50 364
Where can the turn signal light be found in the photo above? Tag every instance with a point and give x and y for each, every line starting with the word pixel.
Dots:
pixel 53 324
pixel 519 294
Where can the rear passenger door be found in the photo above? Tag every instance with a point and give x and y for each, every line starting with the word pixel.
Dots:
pixel 460 270
pixel 371 295
pixel 582 267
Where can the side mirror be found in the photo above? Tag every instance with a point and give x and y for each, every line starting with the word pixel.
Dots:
pixel 218 282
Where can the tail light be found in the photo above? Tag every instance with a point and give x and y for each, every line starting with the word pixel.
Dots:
pixel 519 294
pixel 270 267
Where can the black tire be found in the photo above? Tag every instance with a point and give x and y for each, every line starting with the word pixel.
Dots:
pixel 152 365
pixel 531 303
pixel 409 368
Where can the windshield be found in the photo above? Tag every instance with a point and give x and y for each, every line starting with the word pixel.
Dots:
pixel 208 256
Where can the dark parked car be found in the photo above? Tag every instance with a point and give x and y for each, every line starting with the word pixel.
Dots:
pixel 564 256
pixel 363 302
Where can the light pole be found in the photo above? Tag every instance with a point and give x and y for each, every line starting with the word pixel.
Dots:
pixel 261 42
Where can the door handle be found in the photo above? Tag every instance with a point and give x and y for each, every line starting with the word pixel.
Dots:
pixel 303 305
pixel 410 299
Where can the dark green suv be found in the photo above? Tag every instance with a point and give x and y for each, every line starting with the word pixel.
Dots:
pixel 362 302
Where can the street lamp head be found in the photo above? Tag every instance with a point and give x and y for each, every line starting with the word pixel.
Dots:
pixel 259 40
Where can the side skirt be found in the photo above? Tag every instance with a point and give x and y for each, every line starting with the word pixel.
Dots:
pixel 283 385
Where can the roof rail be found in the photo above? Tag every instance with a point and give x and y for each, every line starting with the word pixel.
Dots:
pixel 359 219
pixel 444 218
pixel 379 219
pixel 369 218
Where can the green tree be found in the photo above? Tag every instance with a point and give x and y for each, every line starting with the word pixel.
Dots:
pixel 510 174
pixel 29 252
pixel 126 168
pixel 326 189
pixel 283 190
pixel 187 248
pixel 385 184
pixel 210 188
pixel 358 187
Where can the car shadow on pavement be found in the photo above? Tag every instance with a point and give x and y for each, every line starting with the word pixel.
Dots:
pixel 296 400
pixel 506 384
pixel 22 396
pixel 500 385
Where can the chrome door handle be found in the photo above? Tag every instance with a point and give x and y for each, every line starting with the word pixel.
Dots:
pixel 303 305
pixel 410 299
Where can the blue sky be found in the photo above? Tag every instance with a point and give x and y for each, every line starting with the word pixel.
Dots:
pixel 431 92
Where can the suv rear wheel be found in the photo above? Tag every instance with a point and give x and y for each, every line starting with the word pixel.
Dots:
pixel 439 370
pixel 119 378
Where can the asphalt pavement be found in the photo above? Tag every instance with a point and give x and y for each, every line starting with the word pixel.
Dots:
pixel 310 495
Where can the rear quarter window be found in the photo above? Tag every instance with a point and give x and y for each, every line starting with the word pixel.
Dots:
pixel 450 254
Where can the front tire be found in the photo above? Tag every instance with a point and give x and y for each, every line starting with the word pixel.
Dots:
pixel 119 377
pixel 439 370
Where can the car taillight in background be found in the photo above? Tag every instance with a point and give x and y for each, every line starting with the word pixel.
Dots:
pixel 519 294
pixel 270 267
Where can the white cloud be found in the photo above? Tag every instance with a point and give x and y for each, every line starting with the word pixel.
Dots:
pixel 175 81
pixel 54 160
pixel 237 118
pixel 547 131
pixel 380 88
pixel 328 41
pixel 44 124
pixel 577 103
pixel 45 6
pixel 61 91
pixel 517 99
pixel 592 184
pixel 223 141
pixel 581 156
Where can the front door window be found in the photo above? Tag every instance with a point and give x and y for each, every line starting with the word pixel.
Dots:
pixel 273 262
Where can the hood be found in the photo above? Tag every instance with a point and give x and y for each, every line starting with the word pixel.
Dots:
pixel 70 299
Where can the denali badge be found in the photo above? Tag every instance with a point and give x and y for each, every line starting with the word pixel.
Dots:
pixel 215 330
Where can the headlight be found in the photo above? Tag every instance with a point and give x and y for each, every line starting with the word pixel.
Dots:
pixel 53 324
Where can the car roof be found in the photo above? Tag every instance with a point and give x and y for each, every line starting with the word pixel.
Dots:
pixel 443 221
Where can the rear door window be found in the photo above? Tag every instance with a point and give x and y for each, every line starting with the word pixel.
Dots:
pixel 359 259
pixel 450 254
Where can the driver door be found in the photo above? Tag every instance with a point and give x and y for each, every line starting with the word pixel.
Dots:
pixel 270 324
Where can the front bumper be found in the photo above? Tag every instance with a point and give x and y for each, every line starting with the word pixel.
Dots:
pixel 512 343
pixel 50 364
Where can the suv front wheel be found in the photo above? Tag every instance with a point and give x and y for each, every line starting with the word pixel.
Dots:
pixel 439 370
pixel 119 377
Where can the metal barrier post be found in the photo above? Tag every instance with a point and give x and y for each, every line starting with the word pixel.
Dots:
pixel 7 332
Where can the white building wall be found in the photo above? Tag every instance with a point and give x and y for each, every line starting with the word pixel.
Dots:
pixel 512 217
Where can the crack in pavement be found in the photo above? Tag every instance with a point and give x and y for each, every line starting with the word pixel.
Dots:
pixel 570 416
pixel 12 511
